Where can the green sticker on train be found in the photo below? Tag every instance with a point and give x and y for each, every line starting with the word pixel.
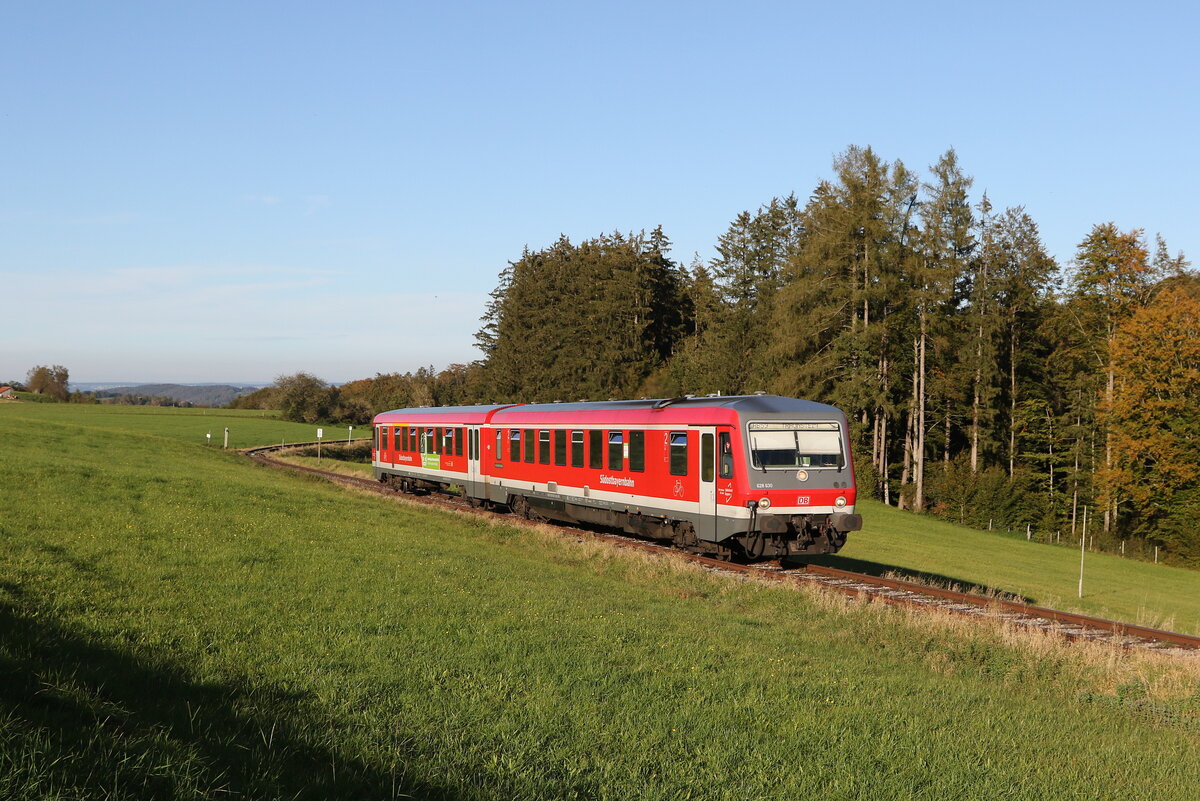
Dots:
pixel 431 461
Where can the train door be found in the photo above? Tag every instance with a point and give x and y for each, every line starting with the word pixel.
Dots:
pixel 473 454
pixel 706 526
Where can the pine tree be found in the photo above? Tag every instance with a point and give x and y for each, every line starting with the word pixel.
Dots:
pixel 1112 279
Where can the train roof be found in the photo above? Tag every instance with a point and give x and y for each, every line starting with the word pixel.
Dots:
pixel 738 404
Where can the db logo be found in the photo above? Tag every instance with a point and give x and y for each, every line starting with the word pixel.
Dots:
pixel 803 500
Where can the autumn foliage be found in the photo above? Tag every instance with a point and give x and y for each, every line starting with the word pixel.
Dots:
pixel 1155 421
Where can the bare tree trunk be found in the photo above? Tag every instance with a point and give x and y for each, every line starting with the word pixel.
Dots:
pixel 946 450
pixel 1012 404
pixel 975 401
pixel 1110 507
pixel 1050 420
pixel 919 456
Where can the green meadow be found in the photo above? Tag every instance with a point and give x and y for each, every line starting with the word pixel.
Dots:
pixel 178 622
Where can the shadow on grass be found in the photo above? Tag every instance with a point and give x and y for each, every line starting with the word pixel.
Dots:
pixel 907 574
pixel 82 719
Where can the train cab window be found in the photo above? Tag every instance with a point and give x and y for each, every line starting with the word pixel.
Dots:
pixel 637 451
pixel 596 449
pixel 790 445
pixel 530 444
pixel 616 450
pixel 679 453
pixel 375 444
pixel 514 445
pixel 560 447
pixel 706 458
pixel 576 449
pixel 544 447
pixel 725 455
pixel 499 444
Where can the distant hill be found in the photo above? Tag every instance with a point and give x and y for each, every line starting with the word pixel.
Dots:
pixel 197 395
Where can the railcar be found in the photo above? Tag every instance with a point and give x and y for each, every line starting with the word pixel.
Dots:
pixel 734 476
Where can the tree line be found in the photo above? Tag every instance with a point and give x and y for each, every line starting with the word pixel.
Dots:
pixel 985 382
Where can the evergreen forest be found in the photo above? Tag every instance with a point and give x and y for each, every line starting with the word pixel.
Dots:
pixel 985 382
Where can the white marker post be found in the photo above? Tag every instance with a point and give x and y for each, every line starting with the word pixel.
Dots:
pixel 226 446
pixel 349 434
pixel 320 433
pixel 208 438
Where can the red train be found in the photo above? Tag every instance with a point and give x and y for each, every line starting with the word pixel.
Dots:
pixel 736 476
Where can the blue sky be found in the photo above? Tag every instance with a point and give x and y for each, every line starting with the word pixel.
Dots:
pixel 234 191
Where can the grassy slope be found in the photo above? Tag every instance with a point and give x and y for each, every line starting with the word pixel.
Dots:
pixel 1123 589
pixel 169 632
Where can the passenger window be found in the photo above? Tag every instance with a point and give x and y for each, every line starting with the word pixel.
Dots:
pixel 530 443
pixel 560 447
pixel 413 444
pixel 679 453
pixel 514 445
pixel 544 447
pixel 616 450
pixel 499 444
pixel 706 457
pixel 396 437
pixel 376 443
pixel 637 451
pixel 596 449
pixel 459 436
pixel 725 453
pixel 576 449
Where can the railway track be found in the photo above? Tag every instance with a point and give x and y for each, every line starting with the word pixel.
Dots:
pixel 892 591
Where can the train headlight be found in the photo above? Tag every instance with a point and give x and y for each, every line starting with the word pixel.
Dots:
pixel 840 502
pixel 765 503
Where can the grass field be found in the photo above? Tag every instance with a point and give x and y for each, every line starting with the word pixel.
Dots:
pixel 176 622
pixel 1048 575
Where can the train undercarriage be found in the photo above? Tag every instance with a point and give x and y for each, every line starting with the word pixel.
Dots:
pixel 766 537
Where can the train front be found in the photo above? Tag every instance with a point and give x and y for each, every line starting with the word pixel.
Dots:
pixel 799 489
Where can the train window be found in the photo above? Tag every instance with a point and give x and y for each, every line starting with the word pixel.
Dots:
pixel 706 458
pixel 679 453
pixel 790 445
pixel 530 443
pixel 404 439
pixel 616 450
pixel 499 444
pixel 725 451
pixel 637 451
pixel 514 444
pixel 396 437
pixel 576 449
pixel 427 441
pixel 376 443
pixel 438 440
pixel 560 447
pixel 459 436
pixel 544 447
pixel 412 440
pixel 596 449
